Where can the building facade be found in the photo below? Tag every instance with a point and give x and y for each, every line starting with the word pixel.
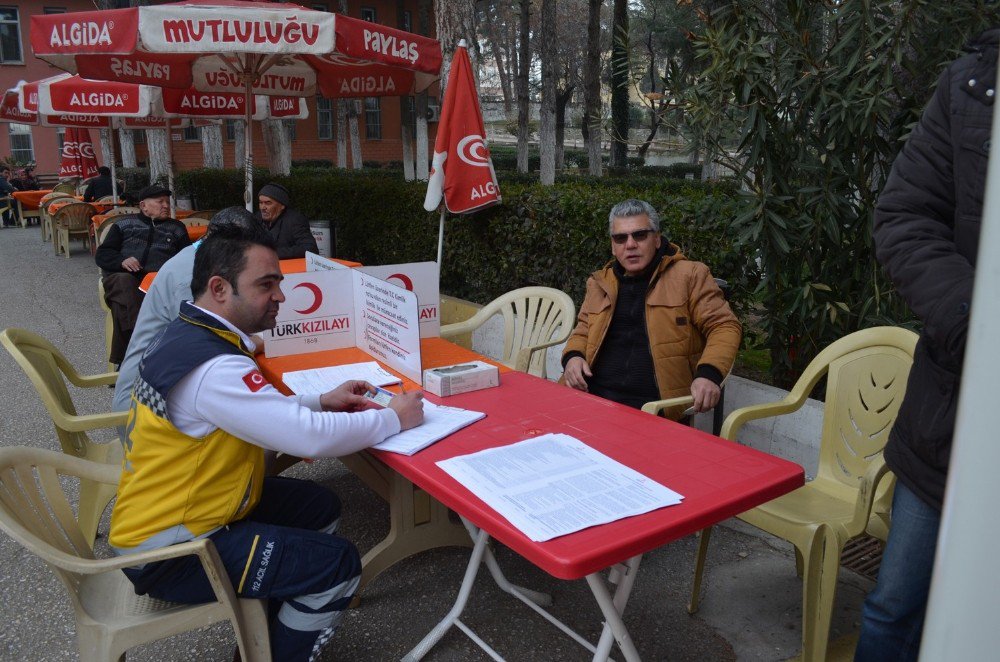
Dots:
pixel 313 139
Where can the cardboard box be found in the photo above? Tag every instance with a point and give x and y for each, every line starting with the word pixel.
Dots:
pixel 461 378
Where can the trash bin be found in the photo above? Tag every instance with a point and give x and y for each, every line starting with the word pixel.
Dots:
pixel 325 235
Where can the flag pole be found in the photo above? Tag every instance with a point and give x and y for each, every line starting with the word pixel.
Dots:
pixel 441 235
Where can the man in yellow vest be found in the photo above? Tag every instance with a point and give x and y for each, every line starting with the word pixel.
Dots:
pixel 202 416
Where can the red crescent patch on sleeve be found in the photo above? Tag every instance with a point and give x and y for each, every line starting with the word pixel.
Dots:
pixel 254 380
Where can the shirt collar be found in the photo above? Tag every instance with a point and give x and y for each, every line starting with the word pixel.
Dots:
pixel 247 342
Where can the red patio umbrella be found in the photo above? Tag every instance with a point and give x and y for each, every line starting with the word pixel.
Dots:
pixel 238 46
pixel 136 106
pixel 78 158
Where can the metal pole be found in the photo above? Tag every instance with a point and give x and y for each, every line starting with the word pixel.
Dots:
pixel 248 134
pixel 441 237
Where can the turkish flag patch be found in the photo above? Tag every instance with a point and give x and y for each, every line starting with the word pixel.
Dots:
pixel 254 380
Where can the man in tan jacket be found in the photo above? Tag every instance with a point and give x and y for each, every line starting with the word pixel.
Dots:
pixel 653 324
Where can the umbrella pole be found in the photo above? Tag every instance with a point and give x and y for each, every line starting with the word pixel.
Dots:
pixel 441 236
pixel 248 138
pixel 170 171
pixel 114 176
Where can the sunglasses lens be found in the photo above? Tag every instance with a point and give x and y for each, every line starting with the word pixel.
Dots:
pixel 638 235
pixel 619 238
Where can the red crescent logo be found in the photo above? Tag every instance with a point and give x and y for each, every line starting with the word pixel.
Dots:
pixel 317 298
pixel 404 279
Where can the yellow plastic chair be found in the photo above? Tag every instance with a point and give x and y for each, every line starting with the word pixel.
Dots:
pixel 49 371
pixel 45 219
pixel 72 222
pixel 866 379
pixel 535 318
pixel 65 187
pixel 110 617
pixel 6 208
pixel 109 323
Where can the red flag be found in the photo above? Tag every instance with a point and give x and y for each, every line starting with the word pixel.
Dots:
pixel 77 155
pixel 462 170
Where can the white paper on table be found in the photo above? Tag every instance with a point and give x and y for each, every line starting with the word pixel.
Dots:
pixel 555 484
pixel 439 422
pixel 321 380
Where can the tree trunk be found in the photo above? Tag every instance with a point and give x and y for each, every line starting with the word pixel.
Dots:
pixel 406 137
pixel 342 132
pixel 562 100
pixel 278 146
pixel 159 164
pixel 353 110
pixel 593 132
pixel 423 148
pixel 126 140
pixel 239 144
pixel 547 131
pixel 107 147
pixel 523 65
pixel 211 145
pixel 619 86
pixel 455 20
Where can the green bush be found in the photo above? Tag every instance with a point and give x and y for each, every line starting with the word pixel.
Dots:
pixel 554 236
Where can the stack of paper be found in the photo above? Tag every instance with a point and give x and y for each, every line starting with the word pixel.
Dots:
pixel 555 484
pixel 439 422
pixel 321 380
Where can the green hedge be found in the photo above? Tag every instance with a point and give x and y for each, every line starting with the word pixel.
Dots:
pixel 553 236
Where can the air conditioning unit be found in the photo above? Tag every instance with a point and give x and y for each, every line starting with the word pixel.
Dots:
pixel 433 113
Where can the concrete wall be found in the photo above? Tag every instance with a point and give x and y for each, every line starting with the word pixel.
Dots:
pixel 794 437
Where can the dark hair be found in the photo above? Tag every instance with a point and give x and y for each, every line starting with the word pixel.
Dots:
pixel 104 170
pixel 224 254
pixel 237 217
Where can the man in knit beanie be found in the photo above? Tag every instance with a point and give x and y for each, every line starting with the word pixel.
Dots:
pixel 287 226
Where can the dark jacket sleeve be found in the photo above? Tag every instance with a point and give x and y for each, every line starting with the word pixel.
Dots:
pixel 296 238
pixel 109 253
pixel 914 229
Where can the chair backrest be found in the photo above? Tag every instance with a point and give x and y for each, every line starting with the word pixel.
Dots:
pixel 75 216
pixel 65 187
pixel 108 199
pixel 532 316
pixel 121 211
pixel 46 367
pixel 103 228
pixel 866 380
pixel 43 203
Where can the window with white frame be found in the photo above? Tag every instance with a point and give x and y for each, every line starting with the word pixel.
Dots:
pixel 10 36
pixel 373 118
pixel 138 136
pixel 324 118
pixel 407 22
pixel 192 133
pixel 231 130
pixel 22 148
pixel 368 14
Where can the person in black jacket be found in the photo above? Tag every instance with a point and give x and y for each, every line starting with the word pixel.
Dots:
pixel 99 186
pixel 135 245
pixel 287 226
pixel 926 234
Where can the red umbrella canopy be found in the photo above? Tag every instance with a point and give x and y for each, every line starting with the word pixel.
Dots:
pixel 221 45
pixel 78 158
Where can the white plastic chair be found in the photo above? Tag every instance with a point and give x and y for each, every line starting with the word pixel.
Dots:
pixel 110 617
pixel 535 318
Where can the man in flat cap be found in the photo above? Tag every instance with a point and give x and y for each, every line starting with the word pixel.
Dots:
pixel 134 246
pixel 287 226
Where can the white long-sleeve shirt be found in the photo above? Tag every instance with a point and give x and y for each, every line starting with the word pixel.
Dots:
pixel 228 392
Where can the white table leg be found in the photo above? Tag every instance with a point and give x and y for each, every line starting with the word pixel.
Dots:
pixel 451 618
pixel 612 608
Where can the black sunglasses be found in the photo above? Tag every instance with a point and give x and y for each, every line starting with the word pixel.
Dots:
pixel 638 236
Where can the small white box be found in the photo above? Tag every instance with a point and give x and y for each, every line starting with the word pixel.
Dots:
pixel 461 378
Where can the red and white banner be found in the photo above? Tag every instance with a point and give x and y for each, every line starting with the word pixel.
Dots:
pixel 161 69
pixel 10 110
pixel 78 158
pixel 75 95
pixel 230 105
pixel 369 41
pixel 235 27
pixel 295 79
pixel 461 172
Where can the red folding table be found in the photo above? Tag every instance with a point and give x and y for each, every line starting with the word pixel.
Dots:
pixel 717 478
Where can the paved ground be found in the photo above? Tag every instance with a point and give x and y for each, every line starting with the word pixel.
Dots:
pixel 750 610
